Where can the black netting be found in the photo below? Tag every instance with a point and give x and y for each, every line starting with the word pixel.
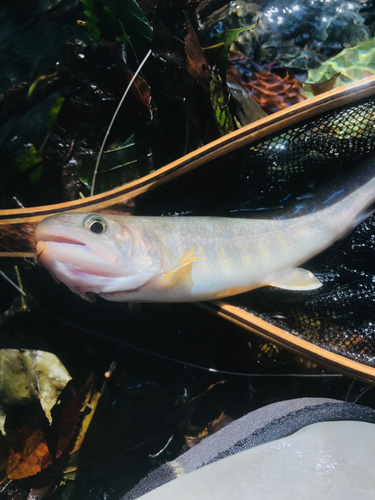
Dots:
pixel 307 154
pixel 334 137
pixel 277 169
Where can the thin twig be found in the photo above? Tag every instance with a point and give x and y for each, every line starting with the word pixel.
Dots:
pixel 164 448
pixel 23 301
pixel 366 389
pixel 113 119
pixel 13 284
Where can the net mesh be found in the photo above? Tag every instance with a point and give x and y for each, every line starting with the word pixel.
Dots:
pixel 337 136
pixel 302 157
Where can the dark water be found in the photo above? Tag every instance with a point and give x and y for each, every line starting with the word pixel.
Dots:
pixel 165 355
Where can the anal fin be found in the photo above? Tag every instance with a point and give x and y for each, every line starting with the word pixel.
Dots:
pixel 296 279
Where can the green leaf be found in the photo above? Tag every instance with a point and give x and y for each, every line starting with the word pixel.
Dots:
pixel 92 23
pixel 353 64
pixel 29 375
pixel 30 162
pixel 223 116
pixel 119 165
pixel 54 112
pixel 121 20
pixel 125 36
pixel 218 51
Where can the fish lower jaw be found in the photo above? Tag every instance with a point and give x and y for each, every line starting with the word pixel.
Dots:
pixel 100 282
pixel 76 278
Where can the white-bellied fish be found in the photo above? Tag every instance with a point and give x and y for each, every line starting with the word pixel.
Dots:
pixel 187 259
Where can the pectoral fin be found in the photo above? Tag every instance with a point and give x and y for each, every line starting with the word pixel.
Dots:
pixel 296 279
pixel 182 268
pixel 88 296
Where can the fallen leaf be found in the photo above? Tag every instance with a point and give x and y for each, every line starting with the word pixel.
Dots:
pixel 4 454
pixel 141 92
pixel 197 65
pixel 73 416
pixel 271 85
pixel 214 426
pixel 30 375
pixel 91 404
pixel 29 456
pixel 52 378
pixel 321 87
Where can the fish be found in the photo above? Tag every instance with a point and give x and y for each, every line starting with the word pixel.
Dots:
pixel 189 259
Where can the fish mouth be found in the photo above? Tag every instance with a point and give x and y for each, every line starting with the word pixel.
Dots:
pixel 75 256
pixel 62 239
pixel 41 244
pixel 56 237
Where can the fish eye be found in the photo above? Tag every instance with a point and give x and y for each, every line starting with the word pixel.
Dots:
pixel 96 225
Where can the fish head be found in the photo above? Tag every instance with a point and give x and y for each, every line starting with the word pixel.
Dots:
pixel 93 253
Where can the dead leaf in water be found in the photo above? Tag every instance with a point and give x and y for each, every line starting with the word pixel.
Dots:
pixel 321 87
pixel 216 425
pixel 30 375
pixel 90 406
pixel 77 415
pixel 197 65
pixel 141 92
pixel 271 85
pixel 30 455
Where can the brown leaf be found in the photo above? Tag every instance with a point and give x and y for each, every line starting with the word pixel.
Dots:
pixel 4 455
pixel 91 404
pixel 214 426
pixel 272 86
pixel 196 61
pixel 72 416
pixel 29 455
pixel 321 87
pixel 141 92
